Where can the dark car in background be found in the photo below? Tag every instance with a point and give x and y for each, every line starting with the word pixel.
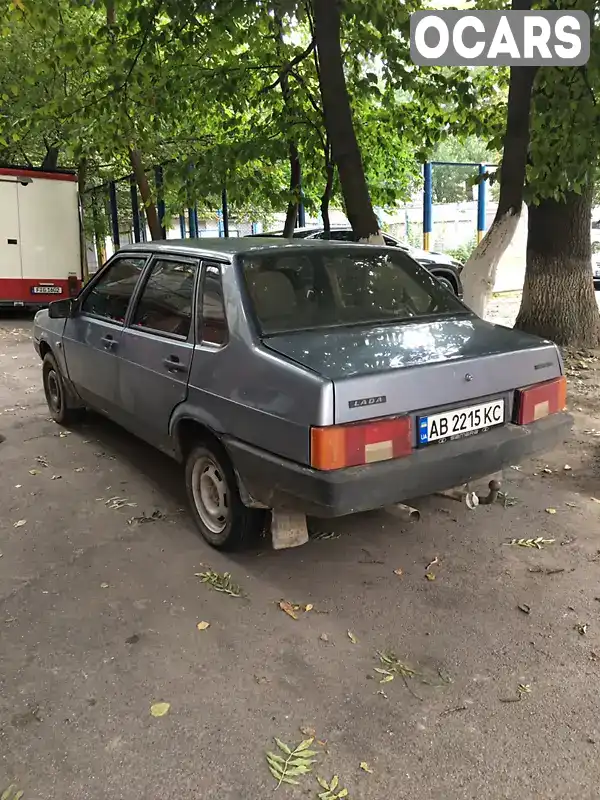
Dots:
pixel 445 268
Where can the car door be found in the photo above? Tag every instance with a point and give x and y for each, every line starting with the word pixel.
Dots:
pixel 157 346
pixel 92 337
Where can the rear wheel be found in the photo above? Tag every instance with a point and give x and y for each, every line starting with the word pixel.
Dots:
pixel 221 517
pixel 57 397
pixel 447 283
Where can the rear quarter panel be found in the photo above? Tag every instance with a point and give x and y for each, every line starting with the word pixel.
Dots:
pixel 252 394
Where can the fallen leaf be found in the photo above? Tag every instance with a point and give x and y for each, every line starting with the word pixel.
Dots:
pixel 524 608
pixel 567 468
pixel 516 467
pixel 352 637
pixel 323 637
pixel 365 767
pixel 19 486
pixel 581 628
pixel 547 470
pixel 399 572
pixel 34 472
pixel 287 608
pixel 79 469
pixel 159 709
pixel 104 585
pixel 19 523
pixel 550 511
pixel 202 626
pixel 56 477
pixel 430 576
pixel 308 607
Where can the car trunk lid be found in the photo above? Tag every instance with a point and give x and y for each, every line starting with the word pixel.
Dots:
pixel 419 366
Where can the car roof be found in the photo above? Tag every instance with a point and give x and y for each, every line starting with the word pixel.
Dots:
pixel 225 249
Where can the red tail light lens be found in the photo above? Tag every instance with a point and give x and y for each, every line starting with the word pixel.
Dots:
pixel 339 446
pixel 537 402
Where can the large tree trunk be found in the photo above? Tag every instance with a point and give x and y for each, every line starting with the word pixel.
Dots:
pixel 558 300
pixel 338 120
pixel 146 194
pixel 295 178
pixel 479 273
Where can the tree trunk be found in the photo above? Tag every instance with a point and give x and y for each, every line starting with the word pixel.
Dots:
pixel 81 183
pixel 339 124
pixel 327 192
pixel 558 300
pixel 479 273
pixel 50 161
pixel 146 194
pixel 295 178
pixel 111 12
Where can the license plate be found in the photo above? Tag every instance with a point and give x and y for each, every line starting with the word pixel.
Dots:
pixel 46 290
pixel 460 422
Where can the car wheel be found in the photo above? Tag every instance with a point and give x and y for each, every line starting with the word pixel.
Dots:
pixel 56 394
pixel 221 517
pixel 447 283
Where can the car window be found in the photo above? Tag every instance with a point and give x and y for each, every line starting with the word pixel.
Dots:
pixel 333 287
pixel 341 236
pixel 165 305
pixel 213 321
pixel 109 297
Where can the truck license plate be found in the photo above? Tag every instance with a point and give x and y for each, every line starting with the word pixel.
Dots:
pixel 460 422
pixel 46 290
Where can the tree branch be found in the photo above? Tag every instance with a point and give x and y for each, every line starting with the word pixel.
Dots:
pixel 285 71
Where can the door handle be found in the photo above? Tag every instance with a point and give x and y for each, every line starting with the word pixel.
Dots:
pixel 173 364
pixel 108 342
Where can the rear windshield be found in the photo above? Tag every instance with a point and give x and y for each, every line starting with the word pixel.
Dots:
pixel 306 288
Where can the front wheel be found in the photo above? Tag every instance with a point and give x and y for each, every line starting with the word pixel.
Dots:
pixel 221 517
pixel 57 397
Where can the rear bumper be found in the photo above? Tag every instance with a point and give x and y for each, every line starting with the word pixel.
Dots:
pixel 277 483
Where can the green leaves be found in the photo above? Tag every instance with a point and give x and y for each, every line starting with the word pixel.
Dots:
pixel 220 582
pixel 11 793
pixel 537 543
pixel 333 791
pixel 292 764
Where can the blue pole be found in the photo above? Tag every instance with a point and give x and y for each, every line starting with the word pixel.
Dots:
pixel 427 204
pixel 182 225
pixel 193 231
pixel 159 179
pixel 114 214
pixel 135 210
pixel 481 198
pixel 196 226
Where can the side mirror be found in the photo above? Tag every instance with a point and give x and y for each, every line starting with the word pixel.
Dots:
pixel 61 309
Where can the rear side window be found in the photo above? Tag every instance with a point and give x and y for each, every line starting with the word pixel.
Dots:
pixel 165 305
pixel 338 286
pixel 213 322
pixel 109 298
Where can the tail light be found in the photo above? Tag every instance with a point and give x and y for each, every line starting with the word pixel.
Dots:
pixel 339 446
pixel 537 402
pixel 73 285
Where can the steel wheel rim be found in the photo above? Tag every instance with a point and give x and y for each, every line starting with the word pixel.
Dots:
pixel 53 391
pixel 209 490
